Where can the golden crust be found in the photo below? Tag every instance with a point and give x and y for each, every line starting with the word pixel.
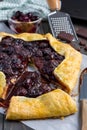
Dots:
pixel 24 36
pixel 68 71
pixel 2 83
pixel 55 104
pixel 59 102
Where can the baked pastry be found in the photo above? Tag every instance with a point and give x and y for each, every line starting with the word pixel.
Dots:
pixel 57 63
pixel 2 82
pixel 67 72
pixel 54 104
pixel 24 36
pixel 16 54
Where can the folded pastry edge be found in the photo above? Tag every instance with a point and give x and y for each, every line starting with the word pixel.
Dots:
pixel 71 65
pixel 54 104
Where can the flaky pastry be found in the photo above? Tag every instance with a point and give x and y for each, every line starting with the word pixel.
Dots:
pixel 2 82
pixel 68 71
pixel 54 104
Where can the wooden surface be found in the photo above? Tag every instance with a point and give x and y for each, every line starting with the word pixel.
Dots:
pixel 14 125
pixel 84 114
pixel 1 122
pixel 11 125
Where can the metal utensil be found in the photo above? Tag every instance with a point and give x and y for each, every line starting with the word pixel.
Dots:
pixel 83 97
pixel 61 21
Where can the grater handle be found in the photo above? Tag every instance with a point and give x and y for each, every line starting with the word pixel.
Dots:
pixel 58 5
pixel 84 114
pixel 54 4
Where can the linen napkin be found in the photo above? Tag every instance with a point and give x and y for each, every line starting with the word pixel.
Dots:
pixel 7 5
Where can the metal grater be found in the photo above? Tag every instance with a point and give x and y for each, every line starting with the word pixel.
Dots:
pixel 60 21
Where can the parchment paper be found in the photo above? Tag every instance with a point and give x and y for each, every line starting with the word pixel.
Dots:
pixel 71 122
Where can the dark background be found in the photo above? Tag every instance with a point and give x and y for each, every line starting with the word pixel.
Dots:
pixel 76 8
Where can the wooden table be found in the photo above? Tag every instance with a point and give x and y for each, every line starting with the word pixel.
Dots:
pixel 12 125
pixel 15 125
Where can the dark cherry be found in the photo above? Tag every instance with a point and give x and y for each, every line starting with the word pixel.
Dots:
pixel 18 13
pixel 8 50
pixel 85 48
pixel 27 17
pixel 21 91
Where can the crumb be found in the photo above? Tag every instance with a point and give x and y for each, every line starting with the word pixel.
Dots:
pixel 74 95
pixel 13 81
pixel 62 118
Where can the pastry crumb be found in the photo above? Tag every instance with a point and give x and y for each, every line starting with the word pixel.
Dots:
pixel 13 81
pixel 62 118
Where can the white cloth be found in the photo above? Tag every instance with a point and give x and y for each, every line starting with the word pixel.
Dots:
pixel 7 5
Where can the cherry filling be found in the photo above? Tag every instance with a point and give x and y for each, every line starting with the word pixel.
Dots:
pixel 46 61
pixel 44 58
pixel 30 84
pixel 13 59
pixel 15 54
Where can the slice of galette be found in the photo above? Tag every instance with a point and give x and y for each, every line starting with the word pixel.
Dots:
pixel 56 65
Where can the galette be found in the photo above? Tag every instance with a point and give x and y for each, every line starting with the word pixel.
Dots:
pixel 37 73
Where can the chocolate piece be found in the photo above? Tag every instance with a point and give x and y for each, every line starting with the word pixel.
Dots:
pixel 85 48
pixel 82 32
pixel 82 42
pixel 65 36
